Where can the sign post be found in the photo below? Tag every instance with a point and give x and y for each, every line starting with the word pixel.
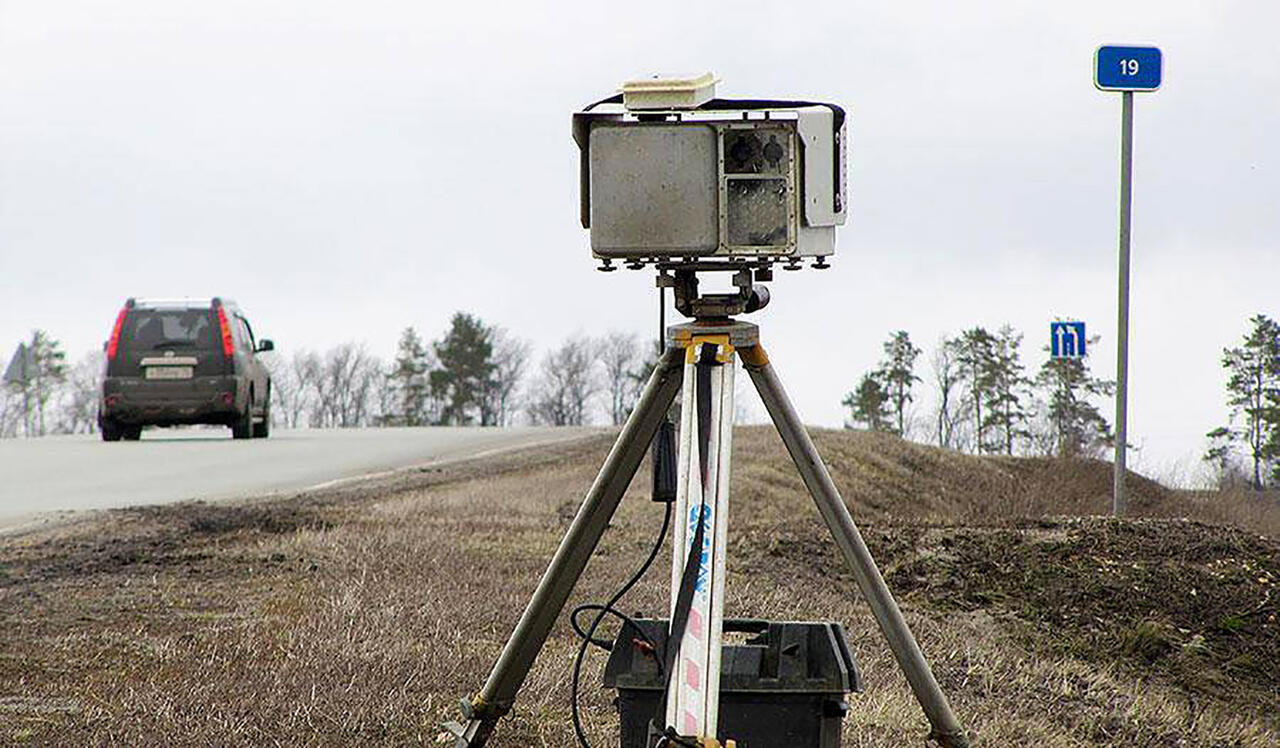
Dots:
pixel 1125 69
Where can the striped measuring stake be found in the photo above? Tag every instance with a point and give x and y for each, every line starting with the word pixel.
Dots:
pixel 706 442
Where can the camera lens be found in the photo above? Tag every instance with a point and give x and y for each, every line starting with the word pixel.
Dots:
pixel 742 152
pixel 773 151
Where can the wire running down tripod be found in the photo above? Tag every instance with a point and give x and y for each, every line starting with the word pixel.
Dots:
pixel 704 477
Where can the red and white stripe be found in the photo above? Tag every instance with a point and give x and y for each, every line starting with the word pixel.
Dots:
pixel 693 702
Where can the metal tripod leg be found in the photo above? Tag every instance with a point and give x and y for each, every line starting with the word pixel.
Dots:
pixel 946 728
pixel 483 711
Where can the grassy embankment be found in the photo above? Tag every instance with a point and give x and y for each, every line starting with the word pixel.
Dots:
pixel 359 615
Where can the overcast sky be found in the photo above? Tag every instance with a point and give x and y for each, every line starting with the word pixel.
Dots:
pixel 347 169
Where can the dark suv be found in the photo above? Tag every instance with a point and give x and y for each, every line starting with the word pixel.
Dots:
pixel 180 362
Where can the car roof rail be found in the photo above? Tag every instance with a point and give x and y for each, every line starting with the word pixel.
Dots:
pixel 187 302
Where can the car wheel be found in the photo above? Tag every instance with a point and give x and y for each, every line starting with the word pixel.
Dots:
pixel 263 430
pixel 132 433
pixel 111 431
pixel 242 428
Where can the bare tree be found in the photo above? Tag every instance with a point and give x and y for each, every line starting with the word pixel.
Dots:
pixel 946 375
pixel 283 388
pixel 619 354
pixel 344 386
pixel 566 384
pixel 79 411
pixel 290 387
pixel 386 396
pixel 307 368
pixel 10 413
pixel 510 357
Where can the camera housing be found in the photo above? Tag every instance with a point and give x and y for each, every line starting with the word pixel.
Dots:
pixel 758 180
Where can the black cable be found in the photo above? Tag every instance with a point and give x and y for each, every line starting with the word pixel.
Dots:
pixel 588 636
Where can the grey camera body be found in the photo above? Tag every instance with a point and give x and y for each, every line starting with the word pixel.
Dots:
pixel 728 180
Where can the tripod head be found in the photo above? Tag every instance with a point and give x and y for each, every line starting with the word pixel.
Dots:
pixel 749 297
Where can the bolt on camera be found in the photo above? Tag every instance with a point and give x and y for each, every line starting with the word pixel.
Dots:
pixel 672 176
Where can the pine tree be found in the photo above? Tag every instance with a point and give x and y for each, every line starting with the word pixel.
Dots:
pixel 409 379
pixel 975 350
pixel 869 404
pixel 465 357
pixel 1007 394
pixel 1219 455
pixel 897 374
pixel 1075 424
pixel 1253 393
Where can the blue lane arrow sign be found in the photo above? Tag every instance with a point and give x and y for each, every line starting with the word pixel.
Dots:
pixel 1066 340
pixel 1127 68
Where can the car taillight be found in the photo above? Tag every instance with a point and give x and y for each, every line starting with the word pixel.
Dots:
pixel 113 345
pixel 228 345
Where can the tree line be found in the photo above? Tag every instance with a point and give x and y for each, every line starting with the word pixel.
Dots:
pixel 985 401
pixel 475 373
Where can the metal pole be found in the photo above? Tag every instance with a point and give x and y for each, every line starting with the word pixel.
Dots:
pixel 483 712
pixel 1122 325
pixel 946 728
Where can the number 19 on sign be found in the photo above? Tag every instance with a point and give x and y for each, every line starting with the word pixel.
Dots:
pixel 1127 68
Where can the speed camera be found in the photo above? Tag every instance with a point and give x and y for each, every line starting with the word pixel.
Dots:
pixel 670 173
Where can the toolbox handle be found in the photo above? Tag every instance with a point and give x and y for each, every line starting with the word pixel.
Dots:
pixel 746 625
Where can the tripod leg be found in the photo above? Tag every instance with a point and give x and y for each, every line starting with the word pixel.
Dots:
pixel 946 728
pixel 508 674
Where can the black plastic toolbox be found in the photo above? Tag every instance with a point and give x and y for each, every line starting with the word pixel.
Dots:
pixel 785 686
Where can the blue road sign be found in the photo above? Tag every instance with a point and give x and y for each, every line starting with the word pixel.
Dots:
pixel 1127 68
pixel 1066 339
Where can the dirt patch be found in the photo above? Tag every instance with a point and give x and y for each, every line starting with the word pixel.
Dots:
pixel 1192 603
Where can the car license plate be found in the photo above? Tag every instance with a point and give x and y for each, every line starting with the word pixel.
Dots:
pixel 169 372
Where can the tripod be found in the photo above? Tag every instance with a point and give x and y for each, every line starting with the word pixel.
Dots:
pixel 694 706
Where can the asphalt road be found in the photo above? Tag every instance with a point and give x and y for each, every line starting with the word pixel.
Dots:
pixel 62 473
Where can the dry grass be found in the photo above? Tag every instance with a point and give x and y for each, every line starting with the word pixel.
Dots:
pixel 360 615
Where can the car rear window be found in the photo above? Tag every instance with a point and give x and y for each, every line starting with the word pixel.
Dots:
pixel 161 329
